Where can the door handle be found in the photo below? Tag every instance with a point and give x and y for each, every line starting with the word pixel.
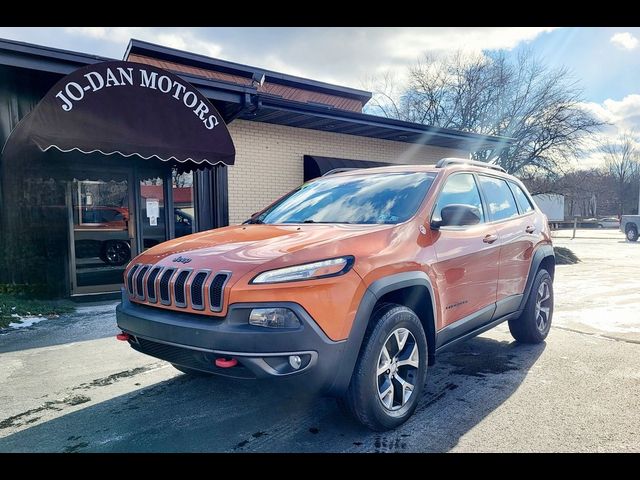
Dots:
pixel 490 238
pixel 530 229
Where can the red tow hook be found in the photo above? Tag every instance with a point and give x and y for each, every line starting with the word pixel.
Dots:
pixel 226 362
pixel 123 337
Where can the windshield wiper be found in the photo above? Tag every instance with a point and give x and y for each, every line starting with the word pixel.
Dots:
pixel 256 221
pixel 314 221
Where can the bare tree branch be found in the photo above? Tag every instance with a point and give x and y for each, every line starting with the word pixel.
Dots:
pixel 622 160
pixel 494 94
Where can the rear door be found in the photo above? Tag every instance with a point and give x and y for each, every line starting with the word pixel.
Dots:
pixel 467 261
pixel 517 232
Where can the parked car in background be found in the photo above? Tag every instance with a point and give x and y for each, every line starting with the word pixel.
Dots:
pixel 630 226
pixel 609 222
pixel 351 285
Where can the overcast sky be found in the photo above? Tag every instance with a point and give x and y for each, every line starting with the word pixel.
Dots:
pixel 606 61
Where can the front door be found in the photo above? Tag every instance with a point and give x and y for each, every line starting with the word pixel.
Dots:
pixel 101 231
pixel 116 214
pixel 467 259
pixel 152 224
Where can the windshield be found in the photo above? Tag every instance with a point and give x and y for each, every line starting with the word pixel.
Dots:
pixel 376 198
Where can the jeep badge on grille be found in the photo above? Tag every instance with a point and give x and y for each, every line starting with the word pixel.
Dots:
pixel 181 259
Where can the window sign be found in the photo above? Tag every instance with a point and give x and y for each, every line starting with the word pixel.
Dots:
pixel 153 211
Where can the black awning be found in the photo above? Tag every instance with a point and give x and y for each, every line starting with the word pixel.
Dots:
pixel 315 166
pixel 128 109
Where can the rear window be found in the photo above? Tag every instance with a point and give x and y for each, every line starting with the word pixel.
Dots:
pixel 374 198
pixel 524 204
pixel 499 197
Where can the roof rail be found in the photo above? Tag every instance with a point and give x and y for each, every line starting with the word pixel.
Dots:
pixel 339 170
pixel 463 161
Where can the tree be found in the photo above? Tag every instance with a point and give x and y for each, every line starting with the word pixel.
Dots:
pixel 495 94
pixel 621 156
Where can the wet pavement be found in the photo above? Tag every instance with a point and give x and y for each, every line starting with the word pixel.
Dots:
pixel 67 386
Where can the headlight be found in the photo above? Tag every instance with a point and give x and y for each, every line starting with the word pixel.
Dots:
pixel 322 269
pixel 274 318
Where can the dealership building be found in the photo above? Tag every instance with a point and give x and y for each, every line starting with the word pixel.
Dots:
pixel 104 158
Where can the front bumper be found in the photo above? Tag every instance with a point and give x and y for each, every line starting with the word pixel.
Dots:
pixel 196 341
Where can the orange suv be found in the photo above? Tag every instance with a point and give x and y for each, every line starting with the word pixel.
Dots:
pixel 351 284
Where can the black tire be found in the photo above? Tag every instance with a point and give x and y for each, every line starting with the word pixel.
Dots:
pixel 191 371
pixel 632 233
pixel 115 252
pixel 527 328
pixel 363 399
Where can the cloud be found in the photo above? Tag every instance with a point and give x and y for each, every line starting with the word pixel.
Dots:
pixel 624 40
pixel 341 55
pixel 182 39
pixel 346 56
pixel 621 116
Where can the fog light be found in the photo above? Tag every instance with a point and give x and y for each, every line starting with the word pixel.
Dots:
pixel 274 318
pixel 295 361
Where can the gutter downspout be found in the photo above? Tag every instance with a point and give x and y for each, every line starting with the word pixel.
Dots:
pixel 250 104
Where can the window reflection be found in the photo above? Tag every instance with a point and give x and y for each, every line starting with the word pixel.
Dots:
pixel 183 208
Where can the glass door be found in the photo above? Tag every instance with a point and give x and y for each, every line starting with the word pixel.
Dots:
pixel 160 217
pixel 100 229
pixel 183 207
pixel 115 215
pixel 152 208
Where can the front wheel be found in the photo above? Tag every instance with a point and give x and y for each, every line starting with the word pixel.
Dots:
pixel 391 370
pixel 535 322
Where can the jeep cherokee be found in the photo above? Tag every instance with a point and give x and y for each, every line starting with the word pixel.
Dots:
pixel 351 284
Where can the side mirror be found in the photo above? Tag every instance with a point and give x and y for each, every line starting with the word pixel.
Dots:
pixel 457 215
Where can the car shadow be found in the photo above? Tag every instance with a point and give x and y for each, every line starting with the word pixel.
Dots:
pixel 186 414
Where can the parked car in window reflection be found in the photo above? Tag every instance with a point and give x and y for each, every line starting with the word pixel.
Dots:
pixel 102 232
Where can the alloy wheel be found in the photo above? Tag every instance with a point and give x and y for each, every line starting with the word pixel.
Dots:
pixel 397 369
pixel 543 306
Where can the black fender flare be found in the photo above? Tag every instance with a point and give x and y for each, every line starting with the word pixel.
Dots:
pixel 542 252
pixel 374 292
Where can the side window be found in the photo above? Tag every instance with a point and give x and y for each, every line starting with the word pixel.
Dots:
pixel 460 188
pixel 499 198
pixel 524 204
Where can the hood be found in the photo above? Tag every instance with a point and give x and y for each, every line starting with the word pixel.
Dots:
pixel 242 248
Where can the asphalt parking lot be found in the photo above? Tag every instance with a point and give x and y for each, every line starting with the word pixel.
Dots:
pixel 67 385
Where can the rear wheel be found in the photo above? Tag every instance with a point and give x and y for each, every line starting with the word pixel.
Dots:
pixel 535 322
pixel 390 373
pixel 632 233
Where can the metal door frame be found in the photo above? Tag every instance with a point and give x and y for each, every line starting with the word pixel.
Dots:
pixel 91 171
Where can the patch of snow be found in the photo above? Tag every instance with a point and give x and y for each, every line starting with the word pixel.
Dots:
pixel 26 321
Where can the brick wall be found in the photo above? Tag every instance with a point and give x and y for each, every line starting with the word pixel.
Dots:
pixel 269 159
